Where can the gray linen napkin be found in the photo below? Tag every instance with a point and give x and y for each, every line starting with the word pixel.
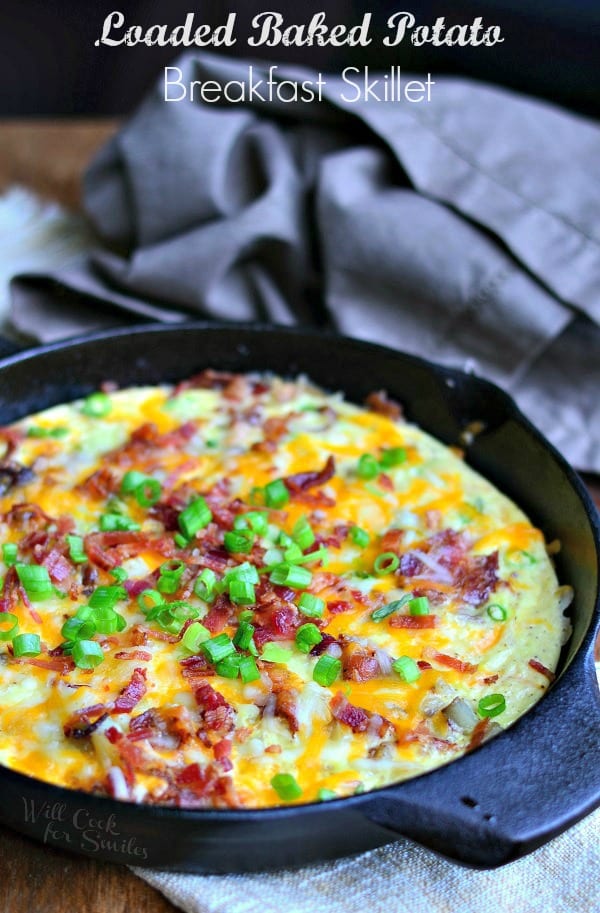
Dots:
pixel 464 229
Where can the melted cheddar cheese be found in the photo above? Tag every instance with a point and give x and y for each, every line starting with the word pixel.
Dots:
pixel 436 617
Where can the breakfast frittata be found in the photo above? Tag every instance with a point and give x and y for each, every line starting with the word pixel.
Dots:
pixel 243 591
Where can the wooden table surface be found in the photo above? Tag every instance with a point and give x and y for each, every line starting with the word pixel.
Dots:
pixel 49 157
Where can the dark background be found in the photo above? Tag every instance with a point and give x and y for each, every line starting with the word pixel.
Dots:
pixel 49 65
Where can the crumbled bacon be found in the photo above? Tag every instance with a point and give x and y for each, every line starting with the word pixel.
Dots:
pixel 195 669
pixel 132 693
pixel 478 734
pixel 451 662
pixel 274 429
pixel 63 665
pixel 337 606
pixel 140 655
pixel 216 713
pixel 359 664
pixel 379 402
pixel 392 540
pixel 356 718
pixel 108 550
pixel 220 614
pixel 27 516
pixel 57 565
pixel 413 621
pixel 286 689
pixel 479 579
pixel 100 484
pixel 539 667
pixel 12 437
pixel 302 481
pixel 84 722
pixel 325 643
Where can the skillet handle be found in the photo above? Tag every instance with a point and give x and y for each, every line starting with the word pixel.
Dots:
pixel 514 793
pixel 8 347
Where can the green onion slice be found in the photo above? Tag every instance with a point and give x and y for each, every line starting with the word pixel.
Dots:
pixel 307 636
pixel 292 575
pixel 327 670
pixel 391 607
pixel 273 653
pixel 312 606
pixel 195 635
pixel 419 606
pixel 286 787
pixel 36 581
pixel 9 625
pixel 276 494
pixel 497 612
pixel 96 405
pixel 359 536
pixel 87 654
pixel 386 563
pixel 195 517
pixel 26 645
pixel 492 705
pixel 407 669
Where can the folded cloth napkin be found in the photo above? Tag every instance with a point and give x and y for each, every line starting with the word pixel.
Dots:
pixel 464 228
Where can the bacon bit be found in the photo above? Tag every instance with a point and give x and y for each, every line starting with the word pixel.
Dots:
pixel 334 540
pixel 27 515
pixel 274 429
pixel 539 667
pixel 379 402
pixel 132 693
pixel 285 688
pixel 220 614
pixel 479 579
pixel 359 664
pixel 392 540
pixel 490 679
pixel 100 484
pixel 337 606
pixel 478 733
pixel 413 621
pixel 356 718
pixel 140 655
pixel 201 780
pixel 321 647
pixel 12 437
pixel 57 565
pixel 302 481
pixel 113 735
pixel 423 665
pixel 63 665
pixel 205 380
pixel 108 550
pixel 85 721
pixel 273 749
pixel 452 662
pixel 435 597
pixel 195 669
pixel 385 482
pixel 216 713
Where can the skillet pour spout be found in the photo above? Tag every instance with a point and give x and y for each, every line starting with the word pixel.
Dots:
pixel 504 799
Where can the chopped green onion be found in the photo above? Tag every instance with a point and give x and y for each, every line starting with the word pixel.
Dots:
pixel 205 584
pixel 392 456
pixel 248 669
pixel 180 541
pixel 78 628
pixel 286 787
pixel 256 520
pixel 492 705
pixel 96 405
pixel 243 635
pixel 293 554
pixel 119 574
pixel 310 605
pixel 246 615
pixel 256 496
pixel 386 563
pixel 229 667
pixel 327 670
pixel 148 492
pixel 170 574
pixel 37 431
pixel 284 540
pixel 9 625
pixel 149 599
pixel 239 541
pixel 131 480
pixel 359 536
pixel 117 523
pixel 106 597
pixel 107 622
pixel 273 653
pixel 241 592
pixel 195 635
pixel 217 648
pixel 321 554
pixel 76 549
pixel 302 534
pixel 307 636
pixel 497 612
pixel 87 654
pixel 407 669
pixel 36 581
pixel 292 575
pixel 9 553
pixel 26 645
pixel 276 494
pixel 419 606
pixel 324 795
pixel 195 517
pixel 245 571
pixel 391 607
pixel 368 467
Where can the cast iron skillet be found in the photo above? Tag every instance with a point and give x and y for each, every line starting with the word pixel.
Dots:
pixel 498 803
